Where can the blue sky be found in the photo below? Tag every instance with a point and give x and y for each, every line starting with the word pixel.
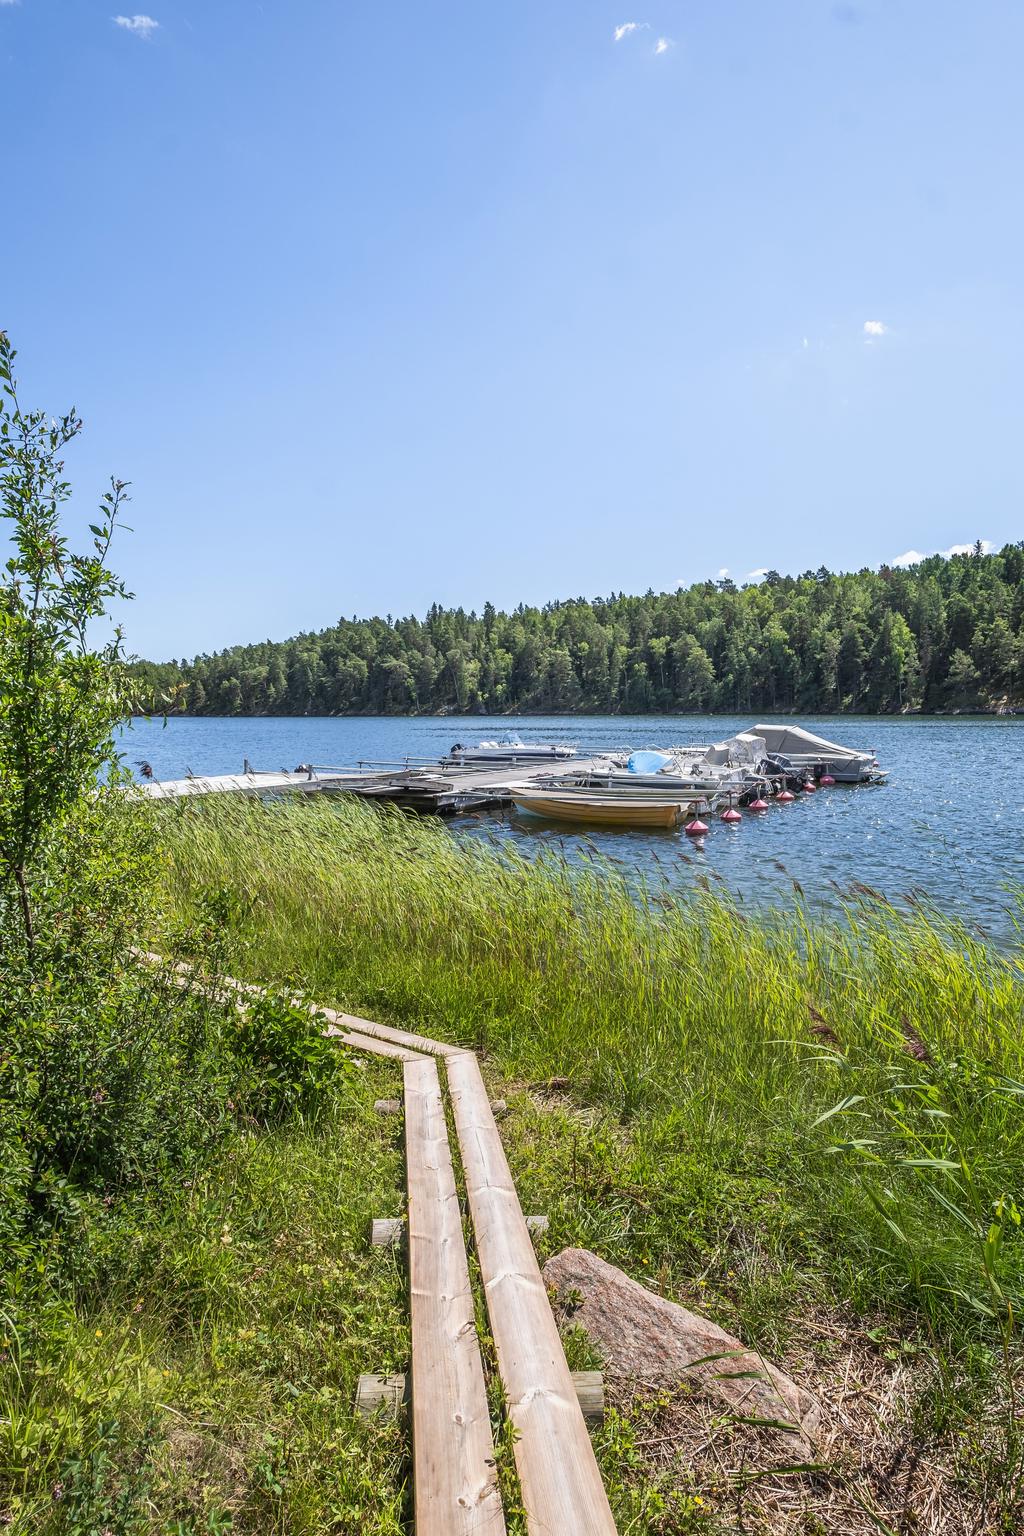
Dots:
pixel 379 305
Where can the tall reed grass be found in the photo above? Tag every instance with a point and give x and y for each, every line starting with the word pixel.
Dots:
pixel 870 1067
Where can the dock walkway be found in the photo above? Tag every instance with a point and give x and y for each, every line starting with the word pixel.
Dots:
pixel 439 789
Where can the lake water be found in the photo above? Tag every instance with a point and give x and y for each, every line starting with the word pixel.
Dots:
pixel 949 823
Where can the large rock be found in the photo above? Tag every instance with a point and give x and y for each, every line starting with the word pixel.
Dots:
pixel 652 1342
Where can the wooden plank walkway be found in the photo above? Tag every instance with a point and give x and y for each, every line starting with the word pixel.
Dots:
pixel 554 1455
pixel 455 1491
pixel 454 1485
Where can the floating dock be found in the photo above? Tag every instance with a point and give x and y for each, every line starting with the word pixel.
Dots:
pixel 438 790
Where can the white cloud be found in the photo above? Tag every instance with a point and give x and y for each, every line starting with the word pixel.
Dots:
pixel 806 343
pixel 10 2
pixel 139 26
pixel 875 328
pixel 965 549
pixel 630 26
pixel 915 556
pixel 723 573
pixel 663 45
pixel 758 575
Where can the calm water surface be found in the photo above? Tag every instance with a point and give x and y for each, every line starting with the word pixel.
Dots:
pixel 949 823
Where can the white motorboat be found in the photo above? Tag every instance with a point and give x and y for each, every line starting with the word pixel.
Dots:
pixel 730 770
pixel 508 748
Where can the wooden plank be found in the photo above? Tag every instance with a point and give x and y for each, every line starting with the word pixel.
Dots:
pixel 180 974
pixel 558 1473
pixel 351 1023
pixel 338 1020
pixel 369 1044
pixel 419 1043
pixel 372 1037
pixel 455 1490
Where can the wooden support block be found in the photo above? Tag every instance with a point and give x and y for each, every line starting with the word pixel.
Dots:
pixel 590 1394
pixel 387 1392
pixel 537 1223
pixel 388 1106
pixel 387 1232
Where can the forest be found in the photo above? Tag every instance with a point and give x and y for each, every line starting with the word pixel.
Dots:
pixel 946 634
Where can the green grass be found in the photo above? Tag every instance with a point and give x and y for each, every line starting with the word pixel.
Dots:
pixel 208 1384
pixel 763 1114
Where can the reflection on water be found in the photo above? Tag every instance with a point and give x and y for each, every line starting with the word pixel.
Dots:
pixel 949 824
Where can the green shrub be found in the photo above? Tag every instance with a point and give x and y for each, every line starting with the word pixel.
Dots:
pixel 285 1061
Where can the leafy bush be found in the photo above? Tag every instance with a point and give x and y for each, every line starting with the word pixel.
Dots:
pixel 285 1061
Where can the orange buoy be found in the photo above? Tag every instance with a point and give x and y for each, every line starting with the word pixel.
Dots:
pixel 695 828
pixel 808 786
pixel 785 797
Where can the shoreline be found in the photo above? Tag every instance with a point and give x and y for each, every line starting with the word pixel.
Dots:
pixel 601 714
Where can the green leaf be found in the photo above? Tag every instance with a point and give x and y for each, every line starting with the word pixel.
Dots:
pixel 838 1109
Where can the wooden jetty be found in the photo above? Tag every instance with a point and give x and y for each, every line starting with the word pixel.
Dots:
pixel 439 789
pixel 455 1490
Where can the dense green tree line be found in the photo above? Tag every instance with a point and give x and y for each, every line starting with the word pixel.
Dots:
pixel 944 634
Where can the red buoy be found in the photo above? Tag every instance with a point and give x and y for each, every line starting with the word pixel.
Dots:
pixel 826 778
pixel 808 786
pixel 758 805
pixel 695 828
pixel 732 814
pixel 785 797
